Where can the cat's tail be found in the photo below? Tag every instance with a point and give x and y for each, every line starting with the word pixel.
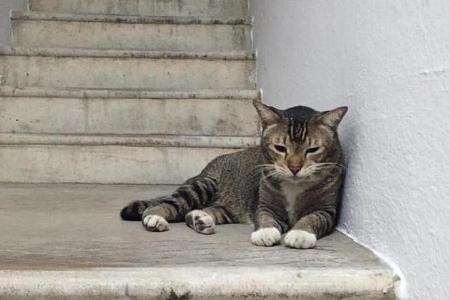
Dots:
pixel 196 193
pixel 134 210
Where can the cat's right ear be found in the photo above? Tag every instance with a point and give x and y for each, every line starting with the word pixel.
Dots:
pixel 269 115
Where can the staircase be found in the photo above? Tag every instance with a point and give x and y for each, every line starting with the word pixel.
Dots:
pixel 138 92
pixel 135 91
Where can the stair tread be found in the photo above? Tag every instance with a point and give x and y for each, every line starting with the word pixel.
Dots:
pixel 237 8
pixel 8 91
pixel 80 52
pixel 143 140
pixel 89 250
pixel 137 19
pixel 104 164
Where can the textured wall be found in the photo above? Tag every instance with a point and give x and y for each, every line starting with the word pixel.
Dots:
pixel 388 60
pixel 5 7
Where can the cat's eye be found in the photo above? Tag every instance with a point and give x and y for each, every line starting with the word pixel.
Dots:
pixel 280 148
pixel 312 150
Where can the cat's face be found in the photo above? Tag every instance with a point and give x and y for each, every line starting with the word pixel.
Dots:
pixel 299 142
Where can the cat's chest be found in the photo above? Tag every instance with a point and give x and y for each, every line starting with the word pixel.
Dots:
pixel 292 195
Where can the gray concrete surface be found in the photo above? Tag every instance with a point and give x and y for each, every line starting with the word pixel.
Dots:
pixel 146 140
pixel 105 164
pixel 5 25
pixel 221 8
pixel 132 32
pixel 128 116
pixel 68 241
pixel 103 69
pixel 6 91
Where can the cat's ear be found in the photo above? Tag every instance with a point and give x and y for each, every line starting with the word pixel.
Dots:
pixel 333 117
pixel 269 115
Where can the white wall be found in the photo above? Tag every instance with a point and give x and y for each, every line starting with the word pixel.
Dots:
pixel 5 7
pixel 388 60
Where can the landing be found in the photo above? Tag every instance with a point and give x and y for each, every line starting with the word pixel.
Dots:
pixel 73 233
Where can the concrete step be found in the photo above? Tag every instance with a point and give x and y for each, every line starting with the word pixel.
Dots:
pixel 116 69
pixel 130 32
pixel 147 140
pixel 93 112
pixel 110 159
pixel 214 8
pixel 128 93
pixel 67 242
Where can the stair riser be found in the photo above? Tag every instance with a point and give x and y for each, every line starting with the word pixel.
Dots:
pixel 106 35
pixel 103 164
pixel 126 73
pixel 219 8
pixel 128 116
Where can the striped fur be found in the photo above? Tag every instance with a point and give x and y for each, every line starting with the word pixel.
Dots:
pixel 196 194
pixel 289 184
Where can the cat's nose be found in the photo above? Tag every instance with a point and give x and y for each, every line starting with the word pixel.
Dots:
pixel 295 170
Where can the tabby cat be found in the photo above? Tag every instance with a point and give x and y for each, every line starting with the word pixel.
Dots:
pixel 289 184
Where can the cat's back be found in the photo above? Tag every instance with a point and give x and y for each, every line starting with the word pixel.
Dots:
pixel 242 162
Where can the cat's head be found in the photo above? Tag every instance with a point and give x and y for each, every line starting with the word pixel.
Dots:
pixel 300 142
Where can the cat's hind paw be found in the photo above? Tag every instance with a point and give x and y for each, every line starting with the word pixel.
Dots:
pixel 266 237
pixel 201 222
pixel 155 223
pixel 300 239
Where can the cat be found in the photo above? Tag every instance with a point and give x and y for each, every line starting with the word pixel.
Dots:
pixel 290 183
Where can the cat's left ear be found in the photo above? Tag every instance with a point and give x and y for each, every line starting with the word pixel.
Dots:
pixel 333 117
pixel 269 115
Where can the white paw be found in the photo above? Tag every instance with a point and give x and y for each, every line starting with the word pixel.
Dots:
pixel 266 237
pixel 155 223
pixel 300 239
pixel 201 222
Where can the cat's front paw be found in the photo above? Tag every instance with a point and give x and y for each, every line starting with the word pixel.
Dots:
pixel 155 223
pixel 266 237
pixel 201 222
pixel 300 239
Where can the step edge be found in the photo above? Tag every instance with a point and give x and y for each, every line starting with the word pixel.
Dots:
pixel 127 54
pixel 129 19
pixel 32 6
pixel 150 140
pixel 238 281
pixel 35 92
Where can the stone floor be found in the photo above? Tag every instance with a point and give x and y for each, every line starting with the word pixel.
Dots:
pixel 67 241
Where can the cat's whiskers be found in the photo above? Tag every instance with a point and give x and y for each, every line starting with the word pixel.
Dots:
pixel 276 172
pixel 271 175
pixel 261 168
pixel 281 172
pixel 275 175
pixel 307 171
pixel 321 167
pixel 329 164
pixel 265 166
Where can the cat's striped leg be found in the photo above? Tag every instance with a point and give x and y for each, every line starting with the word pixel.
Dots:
pixel 157 218
pixel 197 194
pixel 269 227
pixel 268 231
pixel 204 221
pixel 134 210
pixel 308 229
pixel 138 210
